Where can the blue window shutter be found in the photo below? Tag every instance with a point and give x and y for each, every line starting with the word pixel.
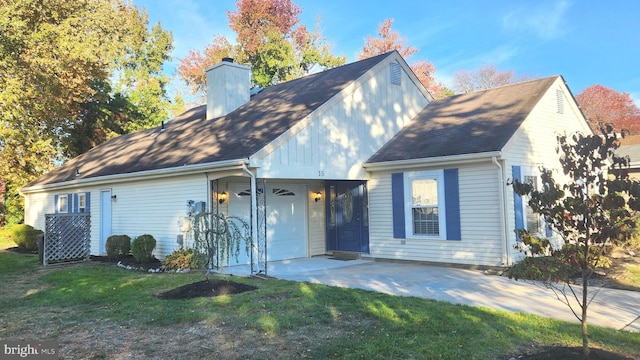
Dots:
pixel 452 204
pixel 76 205
pixel 517 201
pixel 397 200
pixel 547 229
pixel 87 203
pixel 55 203
pixel 69 203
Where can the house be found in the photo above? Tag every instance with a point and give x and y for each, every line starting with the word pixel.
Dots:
pixel 358 159
pixel 630 146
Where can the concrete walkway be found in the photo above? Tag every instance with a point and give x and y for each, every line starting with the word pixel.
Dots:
pixel 617 309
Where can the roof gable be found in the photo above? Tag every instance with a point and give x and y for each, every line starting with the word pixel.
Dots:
pixel 191 139
pixel 477 122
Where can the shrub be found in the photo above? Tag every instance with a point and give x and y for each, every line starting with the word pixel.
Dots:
pixel 118 246
pixel 25 236
pixel 142 248
pixel 184 259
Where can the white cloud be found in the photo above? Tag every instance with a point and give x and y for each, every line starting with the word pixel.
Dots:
pixel 546 20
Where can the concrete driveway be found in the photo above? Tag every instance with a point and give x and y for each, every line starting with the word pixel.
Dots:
pixel 617 309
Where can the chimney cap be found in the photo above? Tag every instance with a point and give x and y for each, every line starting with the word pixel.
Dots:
pixel 227 59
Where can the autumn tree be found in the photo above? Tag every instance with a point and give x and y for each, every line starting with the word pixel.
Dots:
pixel 602 105
pixel 58 62
pixel 588 213
pixel 269 39
pixel 389 40
pixel 191 68
pixel 485 77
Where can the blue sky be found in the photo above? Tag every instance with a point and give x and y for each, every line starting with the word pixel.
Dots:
pixel 588 42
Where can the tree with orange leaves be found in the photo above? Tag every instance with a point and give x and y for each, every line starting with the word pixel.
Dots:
pixel 602 105
pixel 270 39
pixel 389 40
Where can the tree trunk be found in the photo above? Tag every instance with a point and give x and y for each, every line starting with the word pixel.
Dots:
pixel 585 332
pixel 586 275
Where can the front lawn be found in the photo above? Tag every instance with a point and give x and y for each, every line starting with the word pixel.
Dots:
pixel 98 311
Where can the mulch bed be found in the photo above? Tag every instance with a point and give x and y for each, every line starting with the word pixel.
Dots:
pixel 128 261
pixel 205 288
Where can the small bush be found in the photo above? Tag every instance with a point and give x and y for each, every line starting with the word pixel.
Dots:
pixel 118 246
pixel 184 259
pixel 25 236
pixel 142 248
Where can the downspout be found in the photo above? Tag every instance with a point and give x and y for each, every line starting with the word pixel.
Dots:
pixel 209 204
pixel 254 214
pixel 503 208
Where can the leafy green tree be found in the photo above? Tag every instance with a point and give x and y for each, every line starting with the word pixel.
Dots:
pixel 590 212
pixel 269 39
pixel 59 60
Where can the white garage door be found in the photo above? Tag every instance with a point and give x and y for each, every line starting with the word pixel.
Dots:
pixel 286 219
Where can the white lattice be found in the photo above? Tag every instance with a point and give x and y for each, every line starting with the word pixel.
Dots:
pixel 67 237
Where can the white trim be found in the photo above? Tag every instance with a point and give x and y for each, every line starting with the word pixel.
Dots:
pixel 531 172
pixel 141 175
pixel 81 196
pixel 435 161
pixel 438 176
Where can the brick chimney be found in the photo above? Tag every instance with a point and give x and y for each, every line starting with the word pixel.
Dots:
pixel 227 87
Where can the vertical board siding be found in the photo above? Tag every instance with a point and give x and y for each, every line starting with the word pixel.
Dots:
pixel 346 130
pixel 480 226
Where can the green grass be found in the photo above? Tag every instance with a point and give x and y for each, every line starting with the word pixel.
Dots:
pixel 634 274
pixel 281 319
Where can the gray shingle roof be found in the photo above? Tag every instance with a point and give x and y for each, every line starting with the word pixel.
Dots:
pixel 190 139
pixel 470 123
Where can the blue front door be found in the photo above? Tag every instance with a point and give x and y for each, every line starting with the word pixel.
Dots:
pixel 347 216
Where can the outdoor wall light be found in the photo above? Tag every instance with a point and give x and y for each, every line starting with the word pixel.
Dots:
pixel 318 196
pixel 114 197
pixel 222 197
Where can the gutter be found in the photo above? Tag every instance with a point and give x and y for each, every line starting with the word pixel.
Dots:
pixel 502 192
pixel 141 175
pixel 254 216
pixel 435 161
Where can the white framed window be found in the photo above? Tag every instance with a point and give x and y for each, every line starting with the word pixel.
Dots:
pixel 533 222
pixel 82 202
pixel 63 203
pixel 425 205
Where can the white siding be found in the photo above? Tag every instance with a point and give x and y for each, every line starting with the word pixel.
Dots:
pixel 535 143
pixel 153 207
pixel 332 142
pixel 142 207
pixel 35 206
pixel 479 220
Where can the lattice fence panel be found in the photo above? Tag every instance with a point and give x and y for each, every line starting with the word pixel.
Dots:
pixel 67 237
